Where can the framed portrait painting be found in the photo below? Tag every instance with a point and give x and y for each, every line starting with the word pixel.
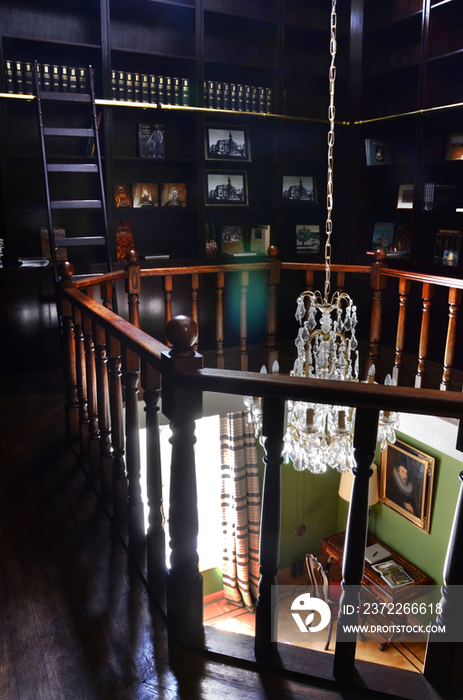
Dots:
pixel 406 483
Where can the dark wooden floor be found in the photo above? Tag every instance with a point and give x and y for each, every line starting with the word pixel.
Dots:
pixel 76 621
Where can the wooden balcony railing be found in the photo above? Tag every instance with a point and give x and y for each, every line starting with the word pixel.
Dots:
pixel 107 357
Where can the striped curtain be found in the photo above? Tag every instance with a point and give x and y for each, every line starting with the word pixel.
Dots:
pixel 240 510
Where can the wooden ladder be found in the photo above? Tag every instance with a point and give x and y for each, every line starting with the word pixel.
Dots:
pixel 91 166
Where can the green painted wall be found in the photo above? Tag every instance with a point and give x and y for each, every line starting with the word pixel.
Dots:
pixel 427 551
pixel 311 500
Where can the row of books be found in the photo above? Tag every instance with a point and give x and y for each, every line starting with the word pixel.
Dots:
pixel 236 97
pixel 141 87
pixel 19 78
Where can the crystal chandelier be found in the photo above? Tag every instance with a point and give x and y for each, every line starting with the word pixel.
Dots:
pixel 319 436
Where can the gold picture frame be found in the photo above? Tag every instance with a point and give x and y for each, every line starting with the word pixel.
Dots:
pixel 406 483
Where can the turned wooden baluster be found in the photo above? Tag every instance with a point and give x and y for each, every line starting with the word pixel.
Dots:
pixel 377 283
pixel 219 320
pixel 130 379
pixel 81 376
pixel 182 407
pixel 119 485
pixel 93 431
pixel 454 304
pixel 155 541
pixel 194 303
pixel 366 427
pixel 133 286
pixel 427 295
pixel 309 280
pixel 340 282
pixel 273 429
pixel 106 291
pixel 167 301
pixel 104 415
pixel 397 370
pixel 443 666
pixel 65 271
pixel 271 352
pixel 244 321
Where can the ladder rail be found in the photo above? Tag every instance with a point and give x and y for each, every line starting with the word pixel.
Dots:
pixel 100 171
pixel 95 168
pixel 51 237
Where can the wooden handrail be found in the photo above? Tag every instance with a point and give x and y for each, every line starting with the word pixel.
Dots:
pixel 133 338
pixel 360 394
pixel 453 282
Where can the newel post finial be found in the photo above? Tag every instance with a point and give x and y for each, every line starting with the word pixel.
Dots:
pixel 182 333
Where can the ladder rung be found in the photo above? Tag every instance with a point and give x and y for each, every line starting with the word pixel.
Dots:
pixel 65 96
pixel 79 241
pixel 59 131
pixel 76 204
pixel 72 168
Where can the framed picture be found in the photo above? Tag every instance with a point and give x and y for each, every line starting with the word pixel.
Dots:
pixel 405 198
pixel 454 147
pixel 232 239
pixel 299 189
pixel 226 188
pixel 406 483
pixel 377 152
pixel 151 143
pixel 227 143
pixel 173 194
pixel 145 195
pixel 308 238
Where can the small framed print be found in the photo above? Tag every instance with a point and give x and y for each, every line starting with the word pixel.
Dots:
pixel 406 483
pixel 227 143
pixel 145 195
pixel 308 238
pixel 405 198
pixel 232 239
pixel 151 143
pixel 299 188
pixel 226 188
pixel 454 147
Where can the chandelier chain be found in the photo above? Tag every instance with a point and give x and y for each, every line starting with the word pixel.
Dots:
pixel 331 117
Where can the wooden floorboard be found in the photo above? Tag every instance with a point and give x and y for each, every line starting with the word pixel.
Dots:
pixel 76 621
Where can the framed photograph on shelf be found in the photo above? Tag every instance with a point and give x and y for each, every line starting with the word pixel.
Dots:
pixel 405 198
pixel 454 149
pixel 123 195
pixel 298 188
pixel 145 195
pixel 227 143
pixel 226 188
pixel 232 239
pixel 406 483
pixel 308 238
pixel 151 142
pixel 383 235
pixel 173 194
pixel 377 152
